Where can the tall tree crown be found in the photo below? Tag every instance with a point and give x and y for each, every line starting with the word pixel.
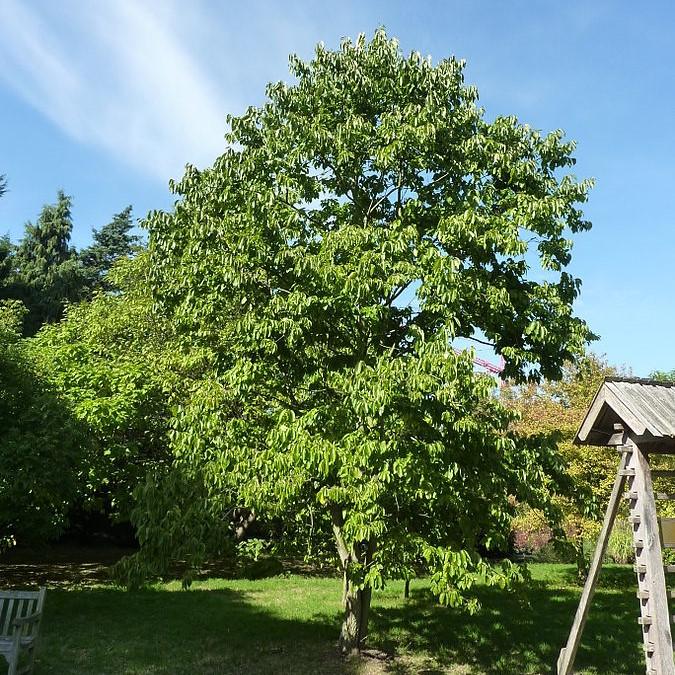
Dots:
pixel 46 245
pixel 112 242
pixel 358 223
pixel 376 178
pixel 47 271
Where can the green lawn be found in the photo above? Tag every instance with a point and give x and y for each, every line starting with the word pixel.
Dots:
pixel 290 624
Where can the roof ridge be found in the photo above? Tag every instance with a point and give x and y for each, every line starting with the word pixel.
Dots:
pixel 640 380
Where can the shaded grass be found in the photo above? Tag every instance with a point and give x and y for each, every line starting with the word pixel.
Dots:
pixel 516 632
pixel 218 626
pixel 290 625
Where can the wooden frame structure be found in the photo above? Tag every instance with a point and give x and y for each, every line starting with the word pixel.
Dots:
pixel 636 416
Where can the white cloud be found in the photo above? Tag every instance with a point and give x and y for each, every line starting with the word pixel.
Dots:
pixel 117 75
pixel 150 82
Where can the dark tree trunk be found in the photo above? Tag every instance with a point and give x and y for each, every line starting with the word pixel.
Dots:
pixel 406 589
pixel 354 629
pixel 355 601
pixel 242 520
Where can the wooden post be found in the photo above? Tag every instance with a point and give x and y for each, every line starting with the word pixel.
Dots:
pixel 569 652
pixel 655 618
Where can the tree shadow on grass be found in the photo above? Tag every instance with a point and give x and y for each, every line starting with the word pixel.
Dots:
pixel 290 625
pixel 517 632
pixel 106 631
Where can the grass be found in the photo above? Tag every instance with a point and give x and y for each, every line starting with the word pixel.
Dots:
pixel 290 624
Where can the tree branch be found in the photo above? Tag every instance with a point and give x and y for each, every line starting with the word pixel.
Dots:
pixel 300 211
pixel 338 521
pixel 372 206
pixel 395 294
pixel 479 341
pixel 435 182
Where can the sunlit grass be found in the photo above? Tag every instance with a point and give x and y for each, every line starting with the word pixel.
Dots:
pixel 290 625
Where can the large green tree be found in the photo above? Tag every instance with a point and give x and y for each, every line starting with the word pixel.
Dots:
pixel 112 242
pixel 48 273
pixel 40 444
pixel 112 360
pixel 360 221
pixel 85 407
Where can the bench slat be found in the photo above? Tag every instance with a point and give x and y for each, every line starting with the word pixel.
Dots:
pixel 8 617
pixel 19 595
pixel 18 604
pixel 25 605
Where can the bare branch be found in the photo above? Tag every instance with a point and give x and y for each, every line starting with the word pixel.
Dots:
pixel 396 293
pixel 437 180
pixel 479 341
pixel 372 206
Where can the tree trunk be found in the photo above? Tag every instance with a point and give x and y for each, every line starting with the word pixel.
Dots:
pixel 355 601
pixel 406 589
pixel 583 565
pixel 242 520
pixel 354 629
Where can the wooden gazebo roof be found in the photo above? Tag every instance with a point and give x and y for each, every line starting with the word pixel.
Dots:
pixel 645 408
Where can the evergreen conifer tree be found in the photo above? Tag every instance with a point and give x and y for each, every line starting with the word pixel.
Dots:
pixel 48 272
pixel 112 242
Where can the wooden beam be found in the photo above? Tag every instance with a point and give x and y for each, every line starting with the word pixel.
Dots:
pixel 656 618
pixel 592 414
pixel 569 651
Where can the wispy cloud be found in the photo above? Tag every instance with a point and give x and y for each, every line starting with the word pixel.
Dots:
pixel 117 75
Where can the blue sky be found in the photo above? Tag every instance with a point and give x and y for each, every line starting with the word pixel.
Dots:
pixel 110 100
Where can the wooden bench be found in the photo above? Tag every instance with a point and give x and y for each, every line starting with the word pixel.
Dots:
pixel 20 615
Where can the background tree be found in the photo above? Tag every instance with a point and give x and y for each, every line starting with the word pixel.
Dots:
pixel 40 444
pixel 6 265
pixel 558 408
pixel 48 273
pixel 663 375
pixel 358 223
pixel 116 366
pixel 3 184
pixel 112 242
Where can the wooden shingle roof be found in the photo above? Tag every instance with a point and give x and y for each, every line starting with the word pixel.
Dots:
pixel 646 408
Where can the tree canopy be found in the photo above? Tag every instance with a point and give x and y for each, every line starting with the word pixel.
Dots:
pixel 111 360
pixel 40 444
pixel 112 242
pixel 663 375
pixel 557 408
pixel 47 271
pixel 358 223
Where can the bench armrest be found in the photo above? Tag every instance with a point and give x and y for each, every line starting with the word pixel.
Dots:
pixel 25 620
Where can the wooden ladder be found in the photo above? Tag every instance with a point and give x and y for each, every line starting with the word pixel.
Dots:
pixel 634 473
pixel 651 578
